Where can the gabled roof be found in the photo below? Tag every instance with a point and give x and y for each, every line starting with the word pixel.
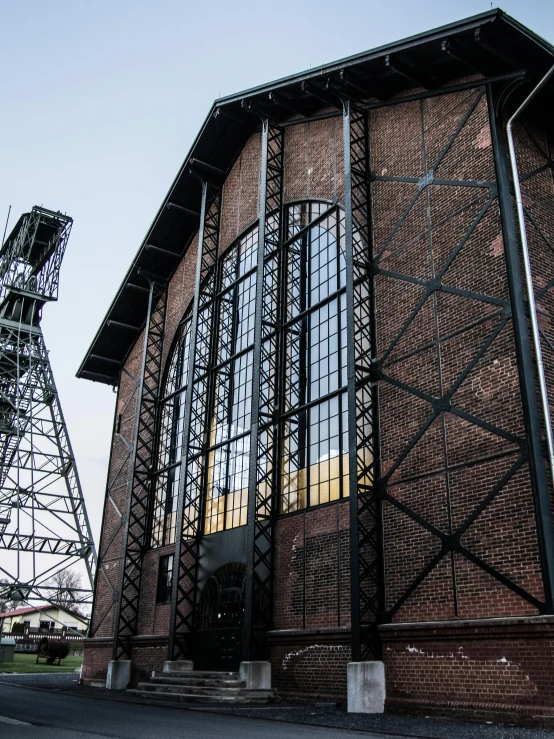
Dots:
pixel 36 609
pixel 492 44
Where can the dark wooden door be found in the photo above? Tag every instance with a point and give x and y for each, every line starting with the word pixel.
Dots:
pixel 218 639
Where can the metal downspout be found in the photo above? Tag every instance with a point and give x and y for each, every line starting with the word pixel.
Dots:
pixel 528 275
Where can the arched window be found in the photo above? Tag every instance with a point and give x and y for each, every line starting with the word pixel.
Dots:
pixel 314 419
pixel 229 430
pixel 312 407
pixel 170 447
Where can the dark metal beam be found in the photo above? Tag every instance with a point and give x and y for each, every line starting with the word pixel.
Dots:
pixel 99 377
pixel 192 484
pixel 109 360
pixel 326 96
pixel 351 81
pixel 524 357
pixel 160 250
pixel 120 324
pixel 258 107
pixel 143 461
pixel 183 209
pixel 480 38
pixel 474 57
pixel 409 72
pixel 263 475
pixel 207 172
pixel 223 113
pixel 287 103
pixel 366 562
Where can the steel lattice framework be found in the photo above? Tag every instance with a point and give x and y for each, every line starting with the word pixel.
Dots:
pixel 44 528
pixel 439 395
pixel 191 502
pixel 264 437
pixel 536 169
pixel 365 503
pixel 137 518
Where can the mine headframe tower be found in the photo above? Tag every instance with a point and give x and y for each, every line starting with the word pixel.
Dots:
pixel 44 527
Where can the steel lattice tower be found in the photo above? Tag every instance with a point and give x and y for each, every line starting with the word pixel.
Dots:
pixel 44 527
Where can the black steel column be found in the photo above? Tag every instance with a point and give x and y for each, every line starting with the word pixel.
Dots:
pixel 263 477
pixel 191 501
pixel 524 354
pixel 365 505
pixel 138 505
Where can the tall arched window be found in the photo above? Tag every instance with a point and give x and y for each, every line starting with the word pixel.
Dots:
pixel 170 447
pixel 314 420
pixel 312 407
pixel 227 458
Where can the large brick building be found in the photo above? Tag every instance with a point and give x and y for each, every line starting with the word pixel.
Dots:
pixel 328 442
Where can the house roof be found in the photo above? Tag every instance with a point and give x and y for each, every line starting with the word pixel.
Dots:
pixel 35 609
pixel 492 44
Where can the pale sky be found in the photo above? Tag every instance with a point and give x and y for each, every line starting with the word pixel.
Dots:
pixel 100 104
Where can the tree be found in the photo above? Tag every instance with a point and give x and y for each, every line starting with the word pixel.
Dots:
pixel 67 583
pixel 6 603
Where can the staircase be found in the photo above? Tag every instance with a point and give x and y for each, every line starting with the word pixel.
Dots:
pixel 224 688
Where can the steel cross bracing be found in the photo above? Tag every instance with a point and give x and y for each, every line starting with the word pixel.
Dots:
pixel 431 331
pixel 44 528
pixel 365 505
pixel 497 98
pixel 536 172
pixel 535 151
pixel 190 508
pixel 264 429
pixel 116 491
pixel 139 501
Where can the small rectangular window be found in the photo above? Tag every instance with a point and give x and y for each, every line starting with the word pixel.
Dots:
pixel 165 577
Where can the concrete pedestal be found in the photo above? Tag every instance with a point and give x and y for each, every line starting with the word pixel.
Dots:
pixel 257 675
pixel 178 665
pixel 119 674
pixel 366 687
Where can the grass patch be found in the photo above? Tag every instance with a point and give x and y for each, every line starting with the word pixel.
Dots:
pixel 26 663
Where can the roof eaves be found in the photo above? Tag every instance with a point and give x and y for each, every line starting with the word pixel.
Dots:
pixel 110 375
pixel 366 56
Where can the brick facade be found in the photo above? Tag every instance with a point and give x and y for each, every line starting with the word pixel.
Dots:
pixel 496 667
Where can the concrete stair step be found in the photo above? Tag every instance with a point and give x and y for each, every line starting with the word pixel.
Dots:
pixel 192 689
pixel 194 698
pixel 163 679
pixel 201 674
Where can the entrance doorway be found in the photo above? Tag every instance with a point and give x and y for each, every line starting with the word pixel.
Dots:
pixel 220 617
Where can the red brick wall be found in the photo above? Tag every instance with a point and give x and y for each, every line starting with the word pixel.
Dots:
pixel 450 469
pixel 310 665
pixel 111 541
pixel 314 162
pixel 312 569
pixel 241 193
pixel 479 669
pixel 97 654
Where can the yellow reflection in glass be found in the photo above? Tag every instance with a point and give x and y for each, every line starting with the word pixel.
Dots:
pixel 223 510
pixel 326 482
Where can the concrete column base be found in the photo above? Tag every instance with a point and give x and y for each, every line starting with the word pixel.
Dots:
pixel 119 674
pixel 366 687
pixel 256 675
pixel 178 665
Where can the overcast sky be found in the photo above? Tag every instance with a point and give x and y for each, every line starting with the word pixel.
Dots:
pixel 101 101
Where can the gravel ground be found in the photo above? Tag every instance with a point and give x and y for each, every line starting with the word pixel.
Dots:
pixel 395 725
pixel 388 723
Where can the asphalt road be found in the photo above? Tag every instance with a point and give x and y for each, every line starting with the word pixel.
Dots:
pixel 37 714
